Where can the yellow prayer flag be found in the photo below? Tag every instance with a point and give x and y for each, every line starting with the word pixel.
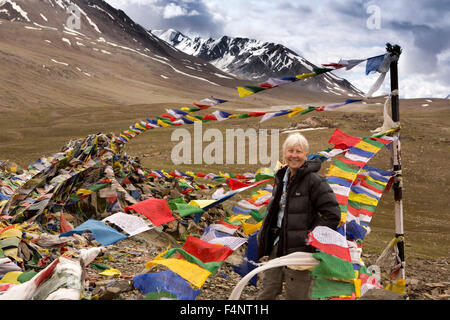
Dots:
pixel 162 123
pixel 110 272
pixel 185 269
pixel 185 109
pixel 358 197
pixel 259 194
pixel 201 203
pixel 305 75
pixel 138 125
pixel 239 217
pixel 376 181
pixel 295 111
pixel 190 173
pixel 357 283
pixel 367 147
pixel 250 229
pixel 83 192
pixel 11 277
pixel 191 118
pixel 225 175
pixel 343 219
pixel 399 286
pixel 335 171
pixel 244 92
pixel 13 232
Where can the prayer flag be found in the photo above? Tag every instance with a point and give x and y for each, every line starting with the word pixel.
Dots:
pixel 157 210
pixel 374 63
pixel 249 262
pixel 185 269
pixel 224 227
pixel 206 252
pixel 340 140
pixel 101 232
pixel 167 281
pixel 329 241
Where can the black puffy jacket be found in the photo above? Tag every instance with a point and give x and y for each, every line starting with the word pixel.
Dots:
pixel 310 202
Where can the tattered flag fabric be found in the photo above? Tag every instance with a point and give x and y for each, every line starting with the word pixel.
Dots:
pixel 249 262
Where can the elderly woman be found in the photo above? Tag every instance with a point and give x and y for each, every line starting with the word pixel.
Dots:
pixel 301 200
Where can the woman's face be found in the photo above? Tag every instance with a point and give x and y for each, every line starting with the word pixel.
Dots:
pixel 295 157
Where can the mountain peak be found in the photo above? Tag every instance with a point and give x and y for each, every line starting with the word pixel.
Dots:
pixel 255 60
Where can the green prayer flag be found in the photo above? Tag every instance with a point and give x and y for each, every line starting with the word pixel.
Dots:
pixel 243 116
pixel 374 142
pixel 26 275
pixel 309 109
pixel 322 70
pixel 332 267
pixel 257 215
pixel 255 89
pixel 172 203
pixel 359 205
pixel 185 209
pixel 99 266
pixel 160 294
pixel 341 165
pixel 325 288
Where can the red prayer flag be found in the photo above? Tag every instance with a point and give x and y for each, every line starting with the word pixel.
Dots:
pixel 168 116
pixel 329 241
pixel 157 210
pixel 206 252
pixel 235 184
pixel 256 114
pixel 342 140
pixel 334 65
pixel 201 106
pixel 209 117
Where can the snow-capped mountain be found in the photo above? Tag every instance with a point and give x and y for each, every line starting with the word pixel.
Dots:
pixel 253 60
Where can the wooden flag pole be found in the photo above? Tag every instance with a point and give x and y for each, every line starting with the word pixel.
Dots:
pixel 396 159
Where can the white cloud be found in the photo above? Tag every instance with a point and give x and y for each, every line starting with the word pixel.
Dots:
pixel 172 10
pixel 324 31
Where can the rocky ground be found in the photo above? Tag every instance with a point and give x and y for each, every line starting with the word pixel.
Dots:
pixel 426 279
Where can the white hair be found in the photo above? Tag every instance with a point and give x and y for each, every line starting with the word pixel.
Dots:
pixel 296 139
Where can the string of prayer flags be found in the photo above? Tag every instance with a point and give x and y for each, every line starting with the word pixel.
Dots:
pixel 157 210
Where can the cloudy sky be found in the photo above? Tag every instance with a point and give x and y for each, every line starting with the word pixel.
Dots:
pixel 323 31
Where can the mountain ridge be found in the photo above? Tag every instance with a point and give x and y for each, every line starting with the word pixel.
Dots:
pixel 254 60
